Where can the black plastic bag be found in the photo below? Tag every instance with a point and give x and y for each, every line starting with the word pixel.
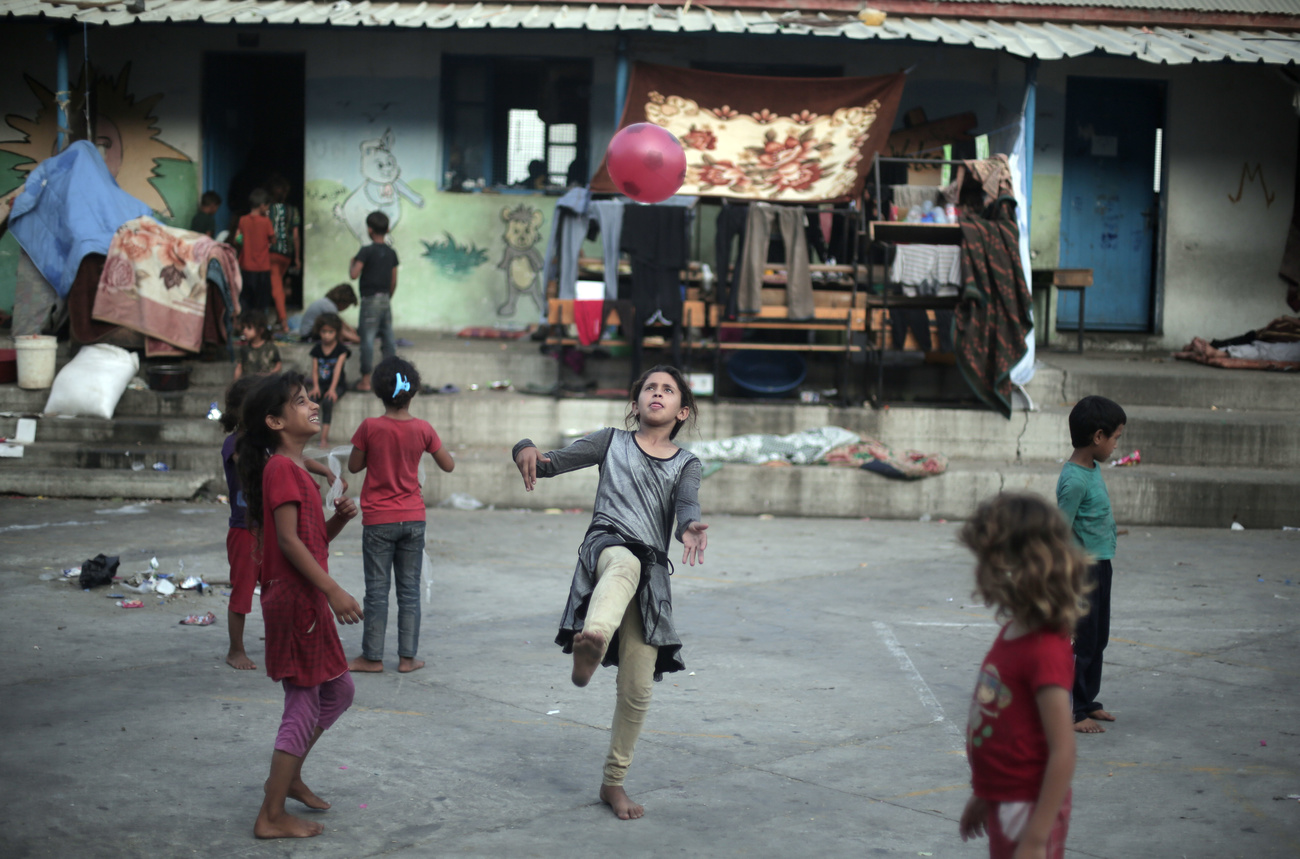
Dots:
pixel 98 571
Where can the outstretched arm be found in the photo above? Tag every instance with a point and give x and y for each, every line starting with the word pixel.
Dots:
pixel 586 451
pixel 690 530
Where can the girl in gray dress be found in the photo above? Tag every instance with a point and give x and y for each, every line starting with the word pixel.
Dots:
pixel 620 603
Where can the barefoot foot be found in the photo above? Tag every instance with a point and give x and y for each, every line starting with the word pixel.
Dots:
pixel 284 825
pixel 588 648
pixel 240 661
pixel 1102 715
pixel 298 790
pixel 365 666
pixel 409 664
pixel 1088 726
pixel 620 803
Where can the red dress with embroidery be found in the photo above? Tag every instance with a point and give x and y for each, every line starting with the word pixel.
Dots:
pixel 302 642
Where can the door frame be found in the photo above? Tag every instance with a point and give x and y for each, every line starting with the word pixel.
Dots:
pixel 1159 244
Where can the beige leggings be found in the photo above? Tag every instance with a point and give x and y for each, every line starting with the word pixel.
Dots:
pixel 613 607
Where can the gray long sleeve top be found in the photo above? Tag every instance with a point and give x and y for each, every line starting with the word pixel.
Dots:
pixel 637 499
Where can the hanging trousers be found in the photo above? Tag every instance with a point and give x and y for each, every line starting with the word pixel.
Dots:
pixel 731 226
pixel 798 277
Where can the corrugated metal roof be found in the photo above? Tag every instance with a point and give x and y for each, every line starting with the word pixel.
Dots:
pixel 1045 40
pixel 1235 7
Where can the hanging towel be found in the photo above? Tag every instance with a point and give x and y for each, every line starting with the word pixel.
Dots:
pixel 588 310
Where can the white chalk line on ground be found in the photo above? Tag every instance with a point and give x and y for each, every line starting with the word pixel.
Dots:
pixel 1198 629
pixel 49 525
pixel 923 691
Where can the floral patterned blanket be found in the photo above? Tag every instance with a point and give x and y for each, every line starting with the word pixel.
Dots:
pixel 155 282
pixel 765 138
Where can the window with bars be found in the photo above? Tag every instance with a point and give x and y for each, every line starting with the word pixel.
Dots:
pixel 515 122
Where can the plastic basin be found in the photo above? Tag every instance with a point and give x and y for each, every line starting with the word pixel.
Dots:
pixel 767 374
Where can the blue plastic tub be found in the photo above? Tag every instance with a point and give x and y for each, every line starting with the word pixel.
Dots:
pixel 767 374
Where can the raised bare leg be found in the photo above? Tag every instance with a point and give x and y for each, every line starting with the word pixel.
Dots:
pixel 236 657
pixel 1102 715
pixel 588 650
pixel 407 664
pixel 620 803
pixel 272 820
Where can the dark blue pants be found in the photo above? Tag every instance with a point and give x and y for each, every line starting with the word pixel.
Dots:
pixel 1090 636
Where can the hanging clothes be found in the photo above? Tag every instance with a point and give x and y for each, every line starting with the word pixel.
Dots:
pixel 575 213
pixel 798 277
pixel 732 219
pixel 655 240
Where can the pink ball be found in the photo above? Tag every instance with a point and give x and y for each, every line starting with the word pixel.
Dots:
pixel 646 162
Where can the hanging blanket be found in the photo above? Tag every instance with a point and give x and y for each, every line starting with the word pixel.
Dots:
pixel 993 315
pixel 765 138
pixel 70 207
pixel 155 282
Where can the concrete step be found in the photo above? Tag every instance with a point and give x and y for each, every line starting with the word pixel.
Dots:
pixel 99 482
pixel 124 433
pixel 1165 435
pixel 192 403
pixel 137 458
pixel 1146 380
pixel 1144 495
pixel 1254 439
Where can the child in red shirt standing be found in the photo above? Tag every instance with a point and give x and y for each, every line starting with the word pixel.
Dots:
pixel 392 512
pixel 254 236
pixel 299 599
pixel 1020 737
pixel 241 543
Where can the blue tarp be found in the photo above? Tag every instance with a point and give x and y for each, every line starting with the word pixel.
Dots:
pixel 71 207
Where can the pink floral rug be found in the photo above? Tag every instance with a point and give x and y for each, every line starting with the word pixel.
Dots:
pixel 155 282
pixel 802 140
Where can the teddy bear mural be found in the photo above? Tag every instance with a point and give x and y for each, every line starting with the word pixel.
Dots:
pixel 522 262
pixel 380 191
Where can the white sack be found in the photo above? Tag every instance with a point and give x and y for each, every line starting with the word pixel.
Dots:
pixel 92 383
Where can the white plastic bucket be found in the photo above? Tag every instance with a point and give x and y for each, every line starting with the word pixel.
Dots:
pixel 36 354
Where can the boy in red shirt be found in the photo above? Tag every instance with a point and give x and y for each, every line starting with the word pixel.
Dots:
pixel 254 236
pixel 392 510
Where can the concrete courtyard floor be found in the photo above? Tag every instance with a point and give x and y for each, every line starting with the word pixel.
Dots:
pixel 830 664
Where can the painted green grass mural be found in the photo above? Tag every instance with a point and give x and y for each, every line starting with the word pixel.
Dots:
pixel 454 259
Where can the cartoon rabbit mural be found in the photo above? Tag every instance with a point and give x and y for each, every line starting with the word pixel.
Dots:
pixel 521 261
pixel 380 190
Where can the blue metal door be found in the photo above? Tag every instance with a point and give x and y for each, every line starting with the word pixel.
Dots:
pixel 1109 200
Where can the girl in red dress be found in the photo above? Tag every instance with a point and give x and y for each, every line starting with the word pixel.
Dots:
pixel 299 599
pixel 1020 737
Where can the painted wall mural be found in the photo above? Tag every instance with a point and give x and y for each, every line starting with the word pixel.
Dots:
pixel 127 133
pixel 522 260
pixel 466 259
pixel 381 188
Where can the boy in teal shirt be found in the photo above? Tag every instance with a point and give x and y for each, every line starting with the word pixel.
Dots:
pixel 1096 425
